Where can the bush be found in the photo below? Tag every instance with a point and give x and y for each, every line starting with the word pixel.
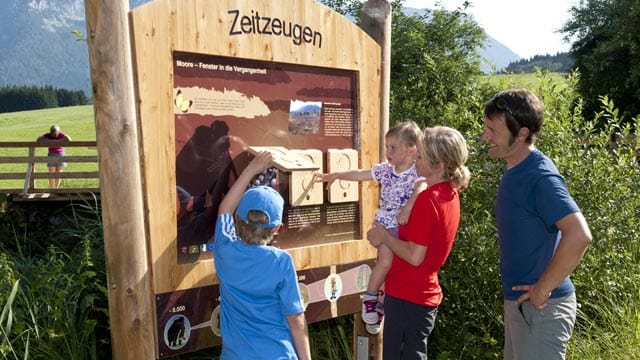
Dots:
pixel 57 302
pixel 603 180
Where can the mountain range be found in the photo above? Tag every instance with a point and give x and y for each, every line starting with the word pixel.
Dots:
pixel 38 48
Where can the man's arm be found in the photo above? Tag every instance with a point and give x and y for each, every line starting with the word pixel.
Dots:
pixel 255 167
pixel 300 335
pixel 575 239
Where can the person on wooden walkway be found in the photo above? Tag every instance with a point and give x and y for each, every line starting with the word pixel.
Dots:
pixel 56 152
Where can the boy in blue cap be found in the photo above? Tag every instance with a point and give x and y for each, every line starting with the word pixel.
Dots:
pixel 261 310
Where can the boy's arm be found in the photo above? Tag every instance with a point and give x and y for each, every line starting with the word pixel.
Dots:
pixel 259 163
pixel 300 335
pixel 403 215
pixel 351 175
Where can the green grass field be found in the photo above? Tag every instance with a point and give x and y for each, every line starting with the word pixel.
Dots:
pixel 75 121
pixel 529 81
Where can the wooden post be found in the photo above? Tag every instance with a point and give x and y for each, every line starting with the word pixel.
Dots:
pixel 128 276
pixel 29 182
pixel 371 348
pixel 376 21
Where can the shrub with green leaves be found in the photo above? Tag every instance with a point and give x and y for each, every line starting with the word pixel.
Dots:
pixel 603 178
pixel 58 303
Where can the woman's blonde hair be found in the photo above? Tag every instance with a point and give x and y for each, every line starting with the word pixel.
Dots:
pixel 448 146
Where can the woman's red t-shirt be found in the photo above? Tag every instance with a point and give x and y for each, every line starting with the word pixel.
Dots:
pixel 433 223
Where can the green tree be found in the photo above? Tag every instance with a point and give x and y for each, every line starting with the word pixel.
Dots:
pixel 606 51
pixel 560 62
pixel 434 63
pixel 348 8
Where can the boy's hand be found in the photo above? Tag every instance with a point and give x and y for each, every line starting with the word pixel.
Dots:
pixel 260 163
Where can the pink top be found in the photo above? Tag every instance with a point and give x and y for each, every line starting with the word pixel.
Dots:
pixel 55 149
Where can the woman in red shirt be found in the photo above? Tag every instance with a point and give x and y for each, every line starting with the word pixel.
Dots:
pixel 412 291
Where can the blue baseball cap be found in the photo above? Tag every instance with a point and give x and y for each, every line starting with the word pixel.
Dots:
pixel 264 199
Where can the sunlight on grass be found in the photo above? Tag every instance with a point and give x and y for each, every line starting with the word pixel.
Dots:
pixel 615 334
pixel 529 81
pixel 75 121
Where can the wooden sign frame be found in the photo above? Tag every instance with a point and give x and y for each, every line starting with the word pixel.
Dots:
pixel 288 31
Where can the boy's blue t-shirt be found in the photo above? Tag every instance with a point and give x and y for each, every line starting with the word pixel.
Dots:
pixel 258 289
pixel 532 197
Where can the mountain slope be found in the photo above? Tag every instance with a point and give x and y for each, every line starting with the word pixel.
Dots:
pixel 496 55
pixel 36 45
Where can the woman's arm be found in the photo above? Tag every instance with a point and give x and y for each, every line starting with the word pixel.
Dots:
pixel 408 251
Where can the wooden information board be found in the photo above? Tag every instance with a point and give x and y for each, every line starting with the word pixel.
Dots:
pixel 216 79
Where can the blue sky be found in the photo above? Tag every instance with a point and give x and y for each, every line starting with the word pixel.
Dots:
pixel 525 26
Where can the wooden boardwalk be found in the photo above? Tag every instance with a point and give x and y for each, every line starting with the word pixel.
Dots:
pixel 19 175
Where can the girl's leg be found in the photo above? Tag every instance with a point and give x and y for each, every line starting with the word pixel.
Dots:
pixel 379 272
pixel 370 313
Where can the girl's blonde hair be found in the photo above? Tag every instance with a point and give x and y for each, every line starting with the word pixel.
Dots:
pixel 407 131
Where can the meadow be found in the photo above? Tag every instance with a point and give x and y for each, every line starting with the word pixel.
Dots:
pixel 52 271
pixel 75 121
pixel 528 80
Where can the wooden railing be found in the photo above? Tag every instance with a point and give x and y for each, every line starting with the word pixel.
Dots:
pixel 36 168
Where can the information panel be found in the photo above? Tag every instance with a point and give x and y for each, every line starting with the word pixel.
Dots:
pixel 224 107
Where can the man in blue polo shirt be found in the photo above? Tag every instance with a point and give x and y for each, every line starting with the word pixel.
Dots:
pixel 541 231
